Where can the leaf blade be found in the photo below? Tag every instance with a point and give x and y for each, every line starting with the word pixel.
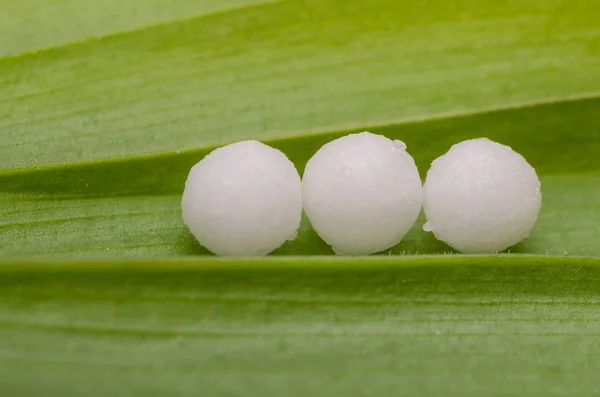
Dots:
pixel 420 323
pixel 131 207
pixel 134 85
pixel 30 26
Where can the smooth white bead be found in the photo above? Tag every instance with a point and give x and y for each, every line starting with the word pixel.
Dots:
pixel 362 193
pixel 243 199
pixel 481 197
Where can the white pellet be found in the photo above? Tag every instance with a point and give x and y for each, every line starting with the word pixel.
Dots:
pixel 362 193
pixel 481 197
pixel 244 199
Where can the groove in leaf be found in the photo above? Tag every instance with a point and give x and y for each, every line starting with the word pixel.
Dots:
pixel 132 206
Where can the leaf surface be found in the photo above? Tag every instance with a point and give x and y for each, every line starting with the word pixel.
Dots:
pixel 288 69
pixel 132 206
pixel 457 326
pixel 105 106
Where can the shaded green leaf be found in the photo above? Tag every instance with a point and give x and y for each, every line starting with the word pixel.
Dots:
pixel 132 206
pixel 456 326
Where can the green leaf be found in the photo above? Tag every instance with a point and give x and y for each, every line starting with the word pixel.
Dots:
pixel 456 326
pixel 31 26
pixel 105 106
pixel 289 68
pixel 132 207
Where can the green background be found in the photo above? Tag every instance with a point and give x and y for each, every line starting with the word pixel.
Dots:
pixel 104 107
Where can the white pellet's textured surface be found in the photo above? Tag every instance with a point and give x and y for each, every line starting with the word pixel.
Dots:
pixel 243 199
pixel 362 193
pixel 481 197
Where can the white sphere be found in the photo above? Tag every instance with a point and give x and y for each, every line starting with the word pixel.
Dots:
pixel 243 199
pixel 481 197
pixel 362 193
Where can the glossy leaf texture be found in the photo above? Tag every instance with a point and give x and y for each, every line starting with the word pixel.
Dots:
pixel 105 106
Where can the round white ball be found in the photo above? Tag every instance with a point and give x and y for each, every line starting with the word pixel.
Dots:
pixel 243 199
pixel 362 193
pixel 481 197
